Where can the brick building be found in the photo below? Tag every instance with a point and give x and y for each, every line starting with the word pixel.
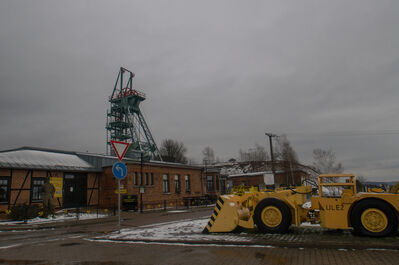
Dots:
pixel 162 183
pixel 266 178
pixel 24 170
pixel 86 180
pixel 251 179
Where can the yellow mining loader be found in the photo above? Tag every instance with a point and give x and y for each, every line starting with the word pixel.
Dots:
pixel 337 206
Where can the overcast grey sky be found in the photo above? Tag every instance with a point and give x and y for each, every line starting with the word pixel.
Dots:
pixel 216 73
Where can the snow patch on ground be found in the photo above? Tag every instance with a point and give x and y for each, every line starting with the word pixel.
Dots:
pixel 309 224
pixel 10 246
pixel 58 218
pixel 186 230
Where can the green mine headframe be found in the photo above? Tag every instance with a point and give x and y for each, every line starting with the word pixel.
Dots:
pixel 125 121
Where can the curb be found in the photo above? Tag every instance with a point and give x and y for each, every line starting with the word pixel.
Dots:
pixel 73 222
pixel 318 245
pixel 67 223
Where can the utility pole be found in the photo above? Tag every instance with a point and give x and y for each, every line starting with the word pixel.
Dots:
pixel 271 155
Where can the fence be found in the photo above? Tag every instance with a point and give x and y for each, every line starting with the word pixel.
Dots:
pixel 185 203
pixel 25 212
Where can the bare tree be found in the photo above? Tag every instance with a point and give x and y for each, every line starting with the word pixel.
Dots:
pixel 232 160
pixel 242 155
pixel 191 161
pixel 208 155
pixel 324 161
pixel 360 180
pixel 288 158
pixel 173 151
pixel 284 151
pixel 254 154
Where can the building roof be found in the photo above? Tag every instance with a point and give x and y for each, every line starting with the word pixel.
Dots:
pixel 31 158
pixel 212 170
pixel 251 174
pixel 53 159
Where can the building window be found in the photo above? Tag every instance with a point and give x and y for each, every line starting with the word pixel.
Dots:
pixel 135 179
pixel 187 179
pixel 36 188
pixel 151 179
pixel 177 183
pixel 146 179
pixel 4 189
pixel 222 186
pixel 209 183
pixel 166 183
pixel 217 182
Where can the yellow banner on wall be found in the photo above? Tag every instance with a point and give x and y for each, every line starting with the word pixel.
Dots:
pixel 57 182
pixel 123 191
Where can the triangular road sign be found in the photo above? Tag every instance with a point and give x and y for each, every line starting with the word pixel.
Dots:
pixel 120 148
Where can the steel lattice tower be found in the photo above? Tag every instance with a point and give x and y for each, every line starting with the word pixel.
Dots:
pixel 125 122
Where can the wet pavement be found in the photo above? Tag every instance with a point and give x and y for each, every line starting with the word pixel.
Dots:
pixel 188 231
pixel 94 242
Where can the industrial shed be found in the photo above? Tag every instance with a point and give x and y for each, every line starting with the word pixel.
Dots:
pixel 24 170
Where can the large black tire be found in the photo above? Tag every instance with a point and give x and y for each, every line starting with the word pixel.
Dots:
pixel 373 218
pixel 272 216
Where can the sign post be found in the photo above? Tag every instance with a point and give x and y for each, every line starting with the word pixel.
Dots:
pixel 119 170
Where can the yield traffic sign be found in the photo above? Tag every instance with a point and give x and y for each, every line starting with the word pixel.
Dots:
pixel 120 148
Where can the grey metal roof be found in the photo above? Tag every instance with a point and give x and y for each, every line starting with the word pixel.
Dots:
pixel 29 158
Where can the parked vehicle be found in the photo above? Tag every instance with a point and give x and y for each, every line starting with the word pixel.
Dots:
pixel 337 206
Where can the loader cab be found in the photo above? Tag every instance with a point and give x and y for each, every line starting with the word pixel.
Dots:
pixel 337 186
pixel 336 194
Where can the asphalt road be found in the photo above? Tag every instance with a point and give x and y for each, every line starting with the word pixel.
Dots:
pixel 72 243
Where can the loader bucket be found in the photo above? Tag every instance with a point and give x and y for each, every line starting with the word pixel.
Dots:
pixel 225 216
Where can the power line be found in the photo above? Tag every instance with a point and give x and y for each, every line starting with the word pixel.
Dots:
pixel 346 133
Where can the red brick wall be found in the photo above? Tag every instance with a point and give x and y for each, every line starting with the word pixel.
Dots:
pixel 20 191
pixel 24 189
pixel 294 179
pixel 154 195
pixel 17 179
pixel 248 180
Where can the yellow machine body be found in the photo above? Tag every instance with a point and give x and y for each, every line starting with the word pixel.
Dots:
pixel 371 213
pixel 232 211
pixel 395 188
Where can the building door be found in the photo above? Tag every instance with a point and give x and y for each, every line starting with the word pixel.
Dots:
pixel 75 190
